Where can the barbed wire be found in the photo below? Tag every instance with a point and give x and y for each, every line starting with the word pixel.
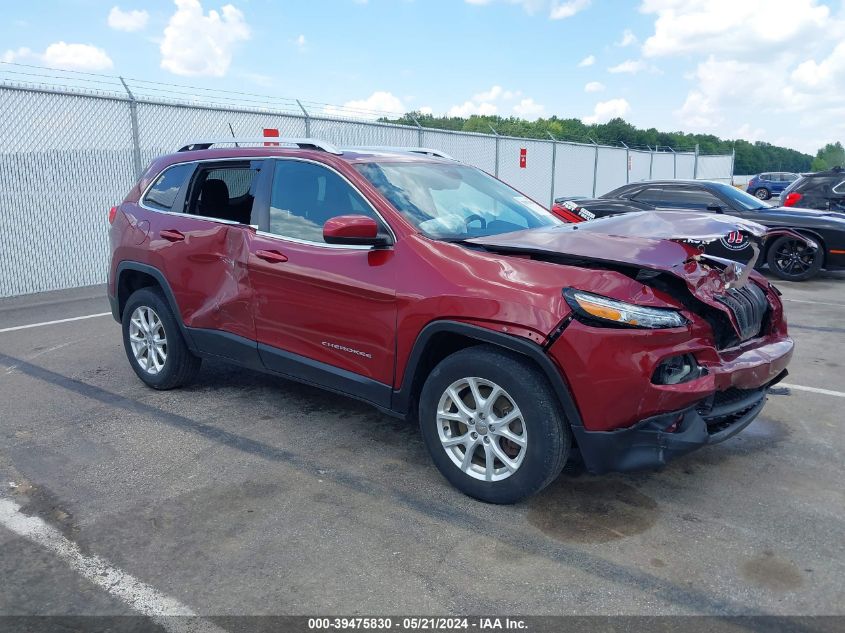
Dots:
pixel 42 77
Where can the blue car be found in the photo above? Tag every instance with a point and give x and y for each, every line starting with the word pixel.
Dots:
pixel 772 183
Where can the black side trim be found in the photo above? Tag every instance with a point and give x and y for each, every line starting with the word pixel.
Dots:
pixel 156 274
pixel 326 376
pixel 402 398
pixel 227 346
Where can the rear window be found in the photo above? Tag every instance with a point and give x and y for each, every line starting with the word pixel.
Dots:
pixel 167 186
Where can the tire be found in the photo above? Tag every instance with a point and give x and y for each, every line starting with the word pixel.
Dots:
pixel 147 311
pixel 791 260
pixel 762 193
pixel 525 391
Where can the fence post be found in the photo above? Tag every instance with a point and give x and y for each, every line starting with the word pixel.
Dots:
pixel 733 158
pixel 419 130
pixel 627 162
pixel 133 119
pixel 695 165
pixel 496 174
pixel 674 162
pixel 595 165
pixel 651 162
pixel 554 160
pixel 307 119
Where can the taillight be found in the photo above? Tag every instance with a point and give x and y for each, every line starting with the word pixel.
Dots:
pixel 112 214
pixel 792 199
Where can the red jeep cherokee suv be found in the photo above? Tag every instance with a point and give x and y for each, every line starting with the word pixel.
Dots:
pixel 429 289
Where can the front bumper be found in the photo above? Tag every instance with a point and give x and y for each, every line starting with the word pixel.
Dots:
pixel 654 441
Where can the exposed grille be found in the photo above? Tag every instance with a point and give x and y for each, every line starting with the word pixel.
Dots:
pixel 749 307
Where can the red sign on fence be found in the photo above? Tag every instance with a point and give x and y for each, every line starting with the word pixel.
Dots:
pixel 523 158
pixel 271 132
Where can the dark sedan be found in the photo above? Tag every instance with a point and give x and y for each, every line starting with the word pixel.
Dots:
pixel 787 256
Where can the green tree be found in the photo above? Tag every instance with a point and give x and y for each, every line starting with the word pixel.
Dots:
pixel 829 156
pixel 751 158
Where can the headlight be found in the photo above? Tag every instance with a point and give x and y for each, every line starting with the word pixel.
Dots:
pixel 611 311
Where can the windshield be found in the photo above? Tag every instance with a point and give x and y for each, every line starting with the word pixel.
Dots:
pixel 453 201
pixel 739 199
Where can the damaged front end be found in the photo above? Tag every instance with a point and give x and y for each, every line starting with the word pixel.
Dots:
pixel 649 387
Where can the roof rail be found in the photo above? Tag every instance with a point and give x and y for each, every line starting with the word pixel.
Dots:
pixel 428 151
pixel 302 143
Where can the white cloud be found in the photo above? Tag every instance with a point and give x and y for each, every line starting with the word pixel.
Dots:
pixel 196 43
pixel 604 111
pixel 63 55
pixel 378 104
pixel 750 27
pixel 830 71
pixel 589 60
pixel 555 9
pixel 563 10
pixel 468 108
pixel 426 110
pixel 628 38
pixel 630 66
pixel 301 41
pixel 528 109
pixel 133 20
pixel 594 86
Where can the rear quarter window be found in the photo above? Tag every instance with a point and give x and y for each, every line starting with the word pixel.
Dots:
pixel 167 186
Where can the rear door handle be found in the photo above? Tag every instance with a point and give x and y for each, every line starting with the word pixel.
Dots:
pixel 274 257
pixel 172 235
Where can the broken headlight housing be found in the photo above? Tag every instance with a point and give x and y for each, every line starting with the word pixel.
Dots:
pixel 612 312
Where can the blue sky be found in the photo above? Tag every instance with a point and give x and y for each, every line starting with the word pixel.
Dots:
pixel 762 70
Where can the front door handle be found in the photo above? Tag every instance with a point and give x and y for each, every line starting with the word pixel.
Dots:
pixel 172 235
pixel 274 257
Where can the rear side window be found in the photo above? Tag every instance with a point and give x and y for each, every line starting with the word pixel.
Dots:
pixel 166 188
pixel 224 192
pixel 686 199
pixel 651 196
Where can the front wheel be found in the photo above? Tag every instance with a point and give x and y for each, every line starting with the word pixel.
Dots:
pixel 792 260
pixel 493 425
pixel 153 342
pixel 763 193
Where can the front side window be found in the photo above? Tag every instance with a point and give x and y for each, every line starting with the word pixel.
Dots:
pixel 306 195
pixel 452 201
pixel 740 200
pixel 162 195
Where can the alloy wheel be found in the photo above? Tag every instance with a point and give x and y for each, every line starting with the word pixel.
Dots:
pixel 148 340
pixel 481 429
pixel 794 258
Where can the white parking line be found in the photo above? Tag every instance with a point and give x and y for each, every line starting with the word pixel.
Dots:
pixel 821 303
pixel 138 595
pixel 31 325
pixel 826 392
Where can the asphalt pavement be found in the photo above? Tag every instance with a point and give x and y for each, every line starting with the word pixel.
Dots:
pixel 249 494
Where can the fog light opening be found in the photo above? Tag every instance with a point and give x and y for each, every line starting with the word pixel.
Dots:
pixel 677 369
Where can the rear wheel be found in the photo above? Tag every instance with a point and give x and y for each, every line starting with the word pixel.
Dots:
pixel 493 425
pixel 763 193
pixel 792 260
pixel 153 342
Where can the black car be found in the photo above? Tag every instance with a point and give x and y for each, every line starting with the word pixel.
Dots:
pixel 787 256
pixel 822 190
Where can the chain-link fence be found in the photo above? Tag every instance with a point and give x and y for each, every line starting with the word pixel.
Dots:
pixel 68 155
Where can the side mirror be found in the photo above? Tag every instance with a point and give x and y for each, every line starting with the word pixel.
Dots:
pixel 352 230
pixel 715 208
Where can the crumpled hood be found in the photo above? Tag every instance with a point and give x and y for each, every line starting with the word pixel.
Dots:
pixel 661 241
